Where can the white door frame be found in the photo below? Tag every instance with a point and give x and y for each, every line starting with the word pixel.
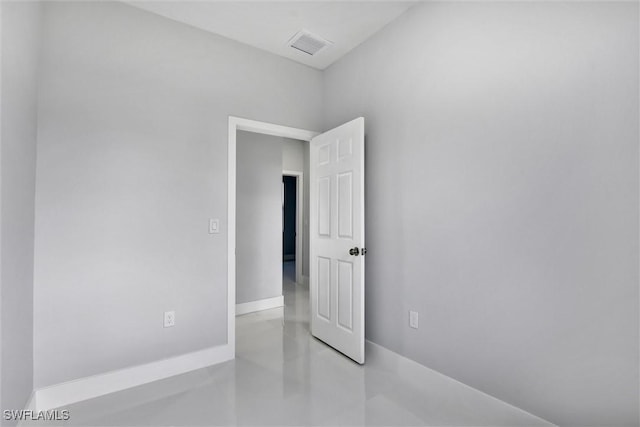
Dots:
pixel 299 212
pixel 236 124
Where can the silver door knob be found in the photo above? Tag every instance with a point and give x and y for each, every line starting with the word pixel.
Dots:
pixel 354 251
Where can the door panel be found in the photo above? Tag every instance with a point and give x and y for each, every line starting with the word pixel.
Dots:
pixel 345 205
pixel 324 288
pixel 324 206
pixel 345 295
pixel 337 227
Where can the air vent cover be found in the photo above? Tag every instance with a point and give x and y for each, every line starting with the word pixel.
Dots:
pixel 308 43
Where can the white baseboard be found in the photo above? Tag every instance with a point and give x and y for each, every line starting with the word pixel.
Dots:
pixel 31 403
pixel 30 406
pixel 412 371
pixel 81 389
pixel 259 305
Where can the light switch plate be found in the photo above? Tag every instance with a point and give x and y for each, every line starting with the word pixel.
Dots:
pixel 169 319
pixel 413 319
pixel 214 226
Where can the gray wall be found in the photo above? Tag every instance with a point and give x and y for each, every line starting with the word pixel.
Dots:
pixel 132 161
pixel 260 162
pixel 293 154
pixel 258 216
pixel 20 47
pixel 502 198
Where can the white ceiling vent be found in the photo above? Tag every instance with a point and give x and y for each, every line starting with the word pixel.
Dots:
pixel 308 43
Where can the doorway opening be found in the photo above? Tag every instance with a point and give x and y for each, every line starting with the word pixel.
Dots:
pixel 335 303
pixel 234 214
pixel 293 234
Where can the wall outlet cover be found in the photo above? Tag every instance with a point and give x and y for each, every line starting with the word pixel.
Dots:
pixel 169 319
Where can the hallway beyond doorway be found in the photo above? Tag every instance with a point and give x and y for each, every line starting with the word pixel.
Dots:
pixel 288 271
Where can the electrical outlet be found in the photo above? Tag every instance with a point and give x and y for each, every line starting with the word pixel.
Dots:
pixel 413 319
pixel 169 319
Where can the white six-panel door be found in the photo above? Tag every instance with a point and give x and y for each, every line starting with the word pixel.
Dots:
pixel 336 271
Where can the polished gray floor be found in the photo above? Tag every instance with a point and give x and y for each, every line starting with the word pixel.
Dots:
pixel 283 376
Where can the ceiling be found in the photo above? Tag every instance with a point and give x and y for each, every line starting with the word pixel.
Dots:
pixel 269 25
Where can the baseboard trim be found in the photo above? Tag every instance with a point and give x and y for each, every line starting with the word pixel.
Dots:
pixel 411 370
pixel 31 403
pixel 81 389
pixel 259 305
pixel 29 406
